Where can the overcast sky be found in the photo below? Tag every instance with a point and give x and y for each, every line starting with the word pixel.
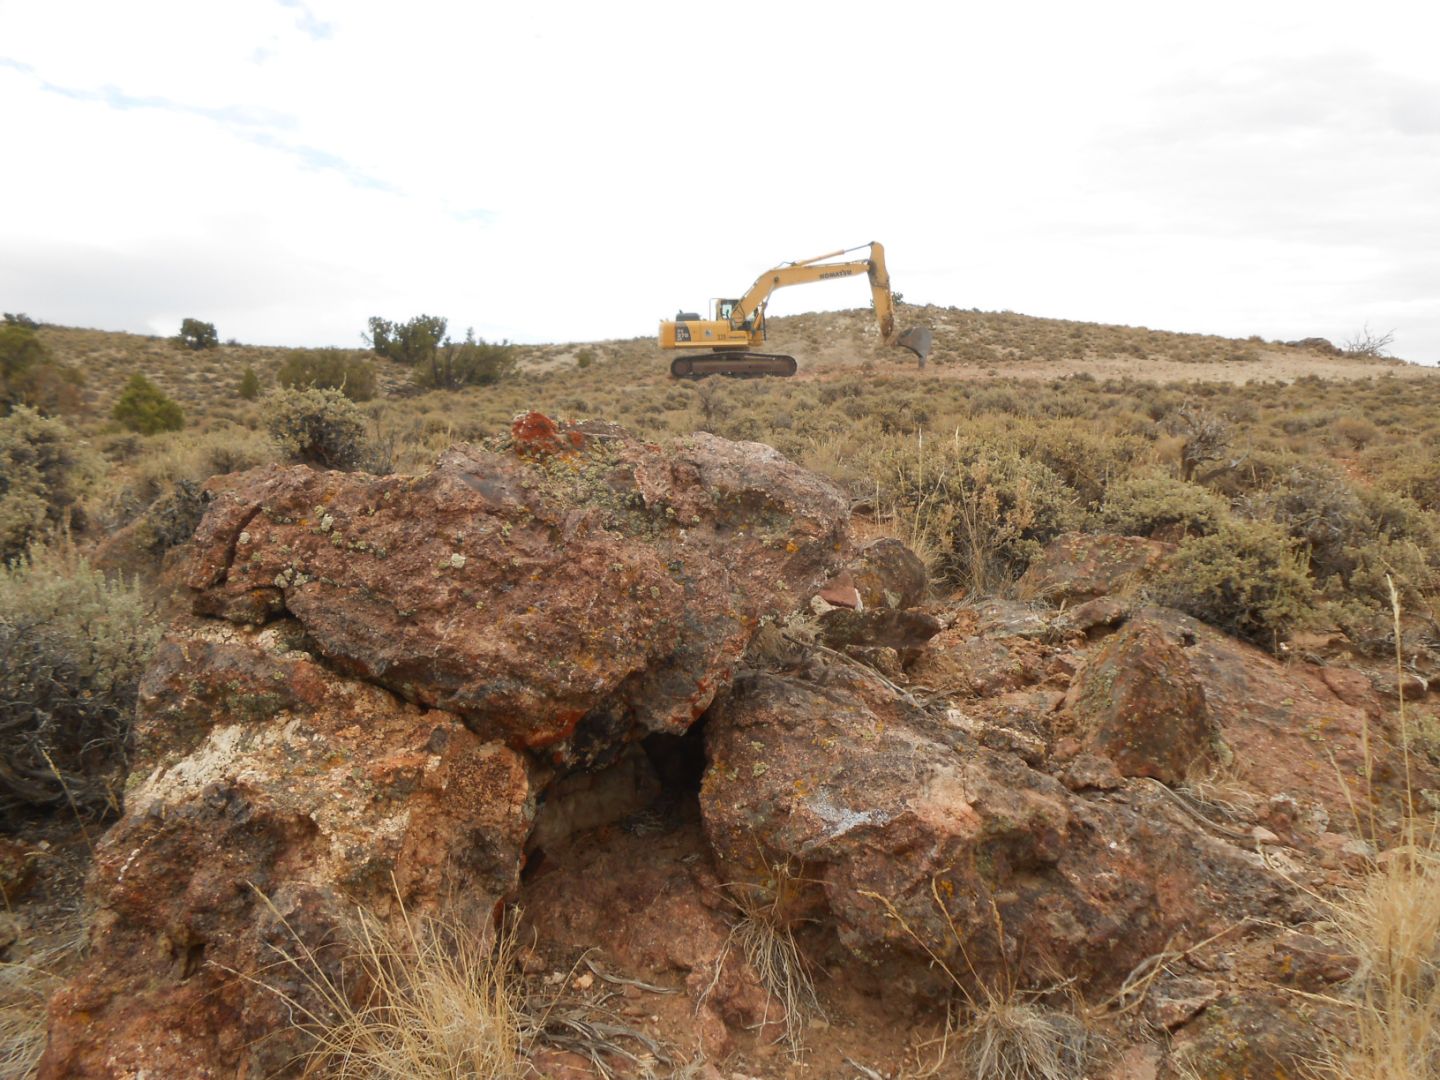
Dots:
pixel 555 171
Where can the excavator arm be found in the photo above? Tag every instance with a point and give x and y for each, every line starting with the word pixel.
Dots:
pixel 752 304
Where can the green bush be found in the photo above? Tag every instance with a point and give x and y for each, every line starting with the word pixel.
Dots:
pixel 1247 579
pixel 1156 503
pixel 22 320
pixel 329 369
pixel 470 362
pixel 145 408
pixel 976 507
pixel 249 388
pixel 75 645
pixel 410 343
pixel 29 375
pixel 167 470
pixel 41 473
pixel 1416 476
pixel 197 335
pixel 1317 507
pixel 1085 454
pixel 317 427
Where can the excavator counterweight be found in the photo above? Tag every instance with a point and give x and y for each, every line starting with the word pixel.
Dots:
pixel 725 343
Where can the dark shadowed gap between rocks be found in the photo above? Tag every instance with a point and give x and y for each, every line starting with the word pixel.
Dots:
pixel 652 786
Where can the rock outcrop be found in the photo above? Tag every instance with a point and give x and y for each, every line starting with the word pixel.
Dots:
pixel 381 677
pixel 561 591
pixel 1076 567
pixel 1167 695
pixel 393 692
pixel 925 843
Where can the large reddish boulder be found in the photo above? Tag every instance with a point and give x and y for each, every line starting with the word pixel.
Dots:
pixel 919 839
pixel 271 796
pixel 1140 704
pixel 1167 694
pixel 1076 567
pixel 563 589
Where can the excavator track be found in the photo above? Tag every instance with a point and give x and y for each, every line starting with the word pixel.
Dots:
pixel 737 365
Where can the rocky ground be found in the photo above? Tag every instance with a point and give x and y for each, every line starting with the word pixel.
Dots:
pixel 754 800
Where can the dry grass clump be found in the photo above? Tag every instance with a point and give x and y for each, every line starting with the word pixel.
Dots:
pixel 25 988
pixel 1016 1040
pixel 764 934
pixel 1006 1034
pixel 1391 922
pixel 436 997
pixel 422 999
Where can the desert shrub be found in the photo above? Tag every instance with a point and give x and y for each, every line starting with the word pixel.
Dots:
pixel 166 474
pixel 1205 437
pixel 1355 430
pixel 1399 517
pixel 1247 579
pixel 329 369
pixel 1416 476
pixel 1368 343
pixel 197 335
pixel 977 506
pixel 29 375
pixel 22 320
pixel 411 343
pixel 317 427
pixel 1414 570
pixel 1087 456
pixel 41 473
pixel 1154 503
pixel 1318 508
pixel 249 388
pixel 472 362
pixel 145 408
pixel 75 645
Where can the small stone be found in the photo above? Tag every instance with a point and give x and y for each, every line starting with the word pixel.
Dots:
pixel 1091 771
pixel 457 561
pixel 244 537
pixel 1178 1001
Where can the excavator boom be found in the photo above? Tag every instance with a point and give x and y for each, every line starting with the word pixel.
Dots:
pixel 738 326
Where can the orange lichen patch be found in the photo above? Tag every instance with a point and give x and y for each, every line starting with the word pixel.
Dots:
pixel 562 728
pixel 535 434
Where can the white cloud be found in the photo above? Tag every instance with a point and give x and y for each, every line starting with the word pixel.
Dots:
pixel 559 170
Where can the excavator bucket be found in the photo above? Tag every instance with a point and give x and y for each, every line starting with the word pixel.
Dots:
pixel 918 340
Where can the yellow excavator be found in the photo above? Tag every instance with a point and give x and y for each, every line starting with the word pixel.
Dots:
pixel 725 343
